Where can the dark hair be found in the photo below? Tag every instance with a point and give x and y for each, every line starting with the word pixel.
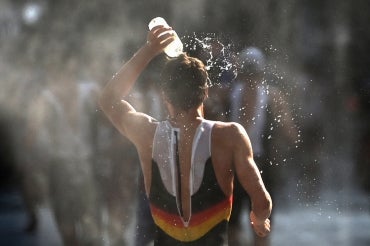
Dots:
pixel 184 82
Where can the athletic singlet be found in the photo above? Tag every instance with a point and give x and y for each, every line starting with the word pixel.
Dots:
pixel 210 208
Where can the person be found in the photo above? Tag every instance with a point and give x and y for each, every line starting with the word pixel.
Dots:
pixel 188 162
pixel 253 102
pixel 60 145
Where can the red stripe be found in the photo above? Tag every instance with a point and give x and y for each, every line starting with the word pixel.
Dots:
pixel 195 219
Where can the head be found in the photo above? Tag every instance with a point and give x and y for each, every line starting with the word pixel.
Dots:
pixel 184 82
pixel 252 63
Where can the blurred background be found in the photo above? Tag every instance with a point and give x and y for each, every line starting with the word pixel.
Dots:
pixel 67 177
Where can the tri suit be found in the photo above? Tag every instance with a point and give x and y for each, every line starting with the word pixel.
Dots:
pixel 210 208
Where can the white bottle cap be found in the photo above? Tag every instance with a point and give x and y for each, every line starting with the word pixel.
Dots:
pixel 157 21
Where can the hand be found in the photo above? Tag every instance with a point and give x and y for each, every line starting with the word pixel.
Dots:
pixel 158 38
pixel 260 227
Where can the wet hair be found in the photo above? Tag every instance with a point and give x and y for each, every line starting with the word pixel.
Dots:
pixel 184 82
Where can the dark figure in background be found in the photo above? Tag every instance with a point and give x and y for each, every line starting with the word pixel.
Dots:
pixel 363 153
pixel 188 162
pixel 7 161
pixel 221 68
pixel 253 101
pixel 60 134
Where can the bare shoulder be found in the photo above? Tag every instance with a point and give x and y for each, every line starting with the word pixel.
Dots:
pixel 230 135
pixel 141 129
pixel 228 129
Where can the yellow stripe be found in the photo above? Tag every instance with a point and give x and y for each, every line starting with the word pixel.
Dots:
pixel 188 234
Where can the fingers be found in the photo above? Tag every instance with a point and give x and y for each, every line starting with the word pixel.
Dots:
pixel 161 33
pixel 166 38
pixel 160 36
pixel 158 30
pixel 262 230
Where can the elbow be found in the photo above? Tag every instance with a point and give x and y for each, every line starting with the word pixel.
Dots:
pixel 104 103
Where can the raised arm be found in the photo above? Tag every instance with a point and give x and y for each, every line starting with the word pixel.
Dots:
pixel 250 178
pixel 112 99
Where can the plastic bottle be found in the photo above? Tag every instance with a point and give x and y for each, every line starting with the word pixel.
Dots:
pixel 175 48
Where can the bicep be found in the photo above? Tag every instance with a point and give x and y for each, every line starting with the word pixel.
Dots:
pixel 130 123
pixel 246 169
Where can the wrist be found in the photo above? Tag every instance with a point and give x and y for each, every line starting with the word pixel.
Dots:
pixel 148 51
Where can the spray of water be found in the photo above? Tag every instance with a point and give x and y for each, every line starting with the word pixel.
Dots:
pixel 221 62
pixel 283 110
pixel 218 57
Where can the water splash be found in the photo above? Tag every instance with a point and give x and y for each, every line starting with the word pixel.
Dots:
pixel 220 59
pixel 217 55
pixel 287 110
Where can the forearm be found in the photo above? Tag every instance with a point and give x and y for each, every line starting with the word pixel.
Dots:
pixel 120 85
pixel 122 82
pixel 259 216
pixel 248 174
pixel 261 207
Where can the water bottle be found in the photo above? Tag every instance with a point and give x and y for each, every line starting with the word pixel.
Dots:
pixel 175 48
